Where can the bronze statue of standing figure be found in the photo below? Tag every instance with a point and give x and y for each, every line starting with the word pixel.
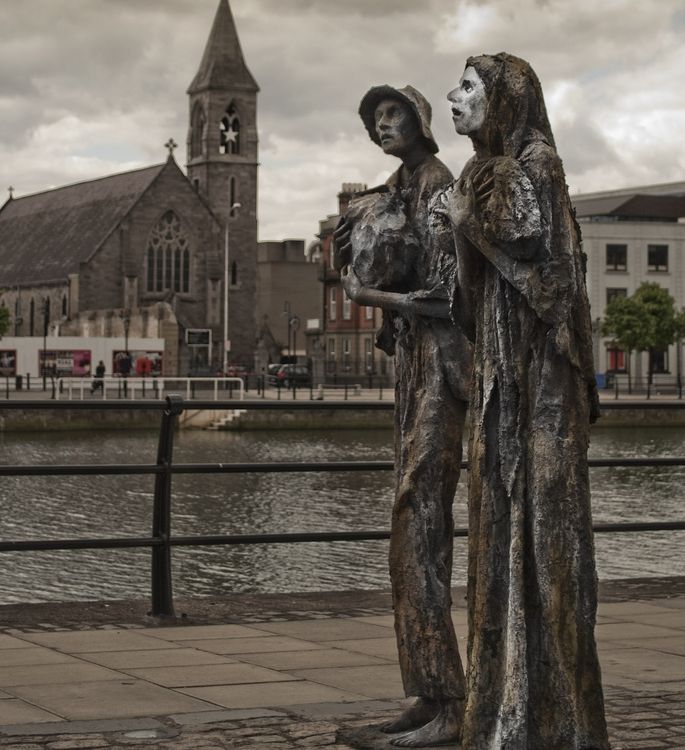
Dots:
pixel 390 254
pixel 533 678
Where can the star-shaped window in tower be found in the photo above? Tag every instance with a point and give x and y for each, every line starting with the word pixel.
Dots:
pixel 229 142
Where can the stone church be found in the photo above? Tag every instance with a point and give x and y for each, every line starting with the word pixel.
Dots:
pixel 147 252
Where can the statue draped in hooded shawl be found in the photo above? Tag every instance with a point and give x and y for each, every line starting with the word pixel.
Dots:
pixel 533 679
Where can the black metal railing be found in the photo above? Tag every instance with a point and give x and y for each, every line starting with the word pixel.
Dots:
pixel 160 541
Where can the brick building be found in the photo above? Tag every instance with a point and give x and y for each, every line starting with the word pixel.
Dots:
pixel 348 330
pixel 148 252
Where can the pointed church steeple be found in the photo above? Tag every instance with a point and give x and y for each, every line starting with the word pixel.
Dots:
pixel 223 160
pixel 222 63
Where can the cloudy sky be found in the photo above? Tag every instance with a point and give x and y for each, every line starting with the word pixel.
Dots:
pixel 93 87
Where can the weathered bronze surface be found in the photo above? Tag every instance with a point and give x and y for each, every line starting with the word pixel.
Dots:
pixel 394 252
pixel 533 679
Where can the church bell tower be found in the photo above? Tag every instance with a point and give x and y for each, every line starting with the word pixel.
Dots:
pixel 222 166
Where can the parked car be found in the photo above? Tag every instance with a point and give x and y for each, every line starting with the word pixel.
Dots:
pixel 289 375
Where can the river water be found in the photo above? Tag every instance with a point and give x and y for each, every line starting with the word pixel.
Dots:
pixel 68 507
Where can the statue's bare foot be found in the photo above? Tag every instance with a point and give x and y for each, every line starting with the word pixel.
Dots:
pixel 419 713
pixel 444 728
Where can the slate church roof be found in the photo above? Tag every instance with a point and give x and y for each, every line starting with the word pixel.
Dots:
pixel 45 236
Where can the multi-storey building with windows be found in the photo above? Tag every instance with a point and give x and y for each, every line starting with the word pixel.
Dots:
pixel 348 330
pixel 633 236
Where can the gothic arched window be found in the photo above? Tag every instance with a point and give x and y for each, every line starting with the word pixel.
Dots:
pixel 32 317
pixel 234 274
pixel 64 306
pixel 168 256
pixel 229 131
pixel 198 125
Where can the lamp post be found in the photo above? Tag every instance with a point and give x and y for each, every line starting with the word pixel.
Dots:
pixel 126 319
pixel 46 321
pixel 286 312
pixel 233 208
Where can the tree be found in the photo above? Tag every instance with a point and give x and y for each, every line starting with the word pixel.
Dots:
pixel 663 318
pixel 628 324
pixel 4 320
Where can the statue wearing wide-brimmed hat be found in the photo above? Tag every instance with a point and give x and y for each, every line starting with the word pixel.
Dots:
pixel 388 250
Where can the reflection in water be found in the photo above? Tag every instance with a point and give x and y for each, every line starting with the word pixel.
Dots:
pixel 67 507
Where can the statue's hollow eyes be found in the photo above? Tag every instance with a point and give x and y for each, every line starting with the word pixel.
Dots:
pixel 467 85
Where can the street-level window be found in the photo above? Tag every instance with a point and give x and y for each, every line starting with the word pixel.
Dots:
pixel 346 354
pixel 331 349
pixel 368 312
pixel 660 360
pixel 617 257
pixel 347 308
pixel 616 360
pixel 614 292
pixel 333 304
pixel 368 355
pixel 657 257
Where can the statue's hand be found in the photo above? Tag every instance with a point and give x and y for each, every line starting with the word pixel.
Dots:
pixel 342 247
pixel 456 203
pixel 351 283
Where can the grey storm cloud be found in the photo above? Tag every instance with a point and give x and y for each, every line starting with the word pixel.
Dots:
pixel 92 87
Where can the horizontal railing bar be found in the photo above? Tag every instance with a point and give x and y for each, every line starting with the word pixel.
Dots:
pixel 286 404
pixel 42 545
pixel 289 538
pixel 603 528
pixel 19 470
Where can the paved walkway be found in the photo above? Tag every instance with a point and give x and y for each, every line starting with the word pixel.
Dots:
pixel 291 681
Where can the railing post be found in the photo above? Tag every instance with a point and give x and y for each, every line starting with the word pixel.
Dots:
pixel 162 597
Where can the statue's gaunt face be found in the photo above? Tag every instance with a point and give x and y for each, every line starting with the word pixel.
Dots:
pixel 396 126
pixel 469 103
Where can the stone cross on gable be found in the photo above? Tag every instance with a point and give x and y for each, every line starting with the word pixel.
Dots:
pixel 11 191
pixel 171 145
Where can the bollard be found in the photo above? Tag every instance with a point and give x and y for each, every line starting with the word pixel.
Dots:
pixel 380 391
pixel 616 388
pixel 7 386
pixel 162 595
pixel 345 391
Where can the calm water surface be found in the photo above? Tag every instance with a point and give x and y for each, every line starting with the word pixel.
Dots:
pixel 67 507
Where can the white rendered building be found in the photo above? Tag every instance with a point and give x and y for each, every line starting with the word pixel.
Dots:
pixel 632 236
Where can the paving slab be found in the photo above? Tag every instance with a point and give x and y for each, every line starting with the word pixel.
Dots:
pixel 55 674
pixel 211 717
pixel 663 645
pixel 208 674
pixel 326 630
pixel 81 727
pixel 263 645
pixel 12 657
pixel 670 619
pixel 372 682
pixel 8 641
pixel 16 711
pixel 201 632
pixel 271 695
pixel 644 664
pixel 109 700
pixel 90 641
pixel 631 608
pixel 630 630
pixel 324 657
pixel 383 648
pixel 172 657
